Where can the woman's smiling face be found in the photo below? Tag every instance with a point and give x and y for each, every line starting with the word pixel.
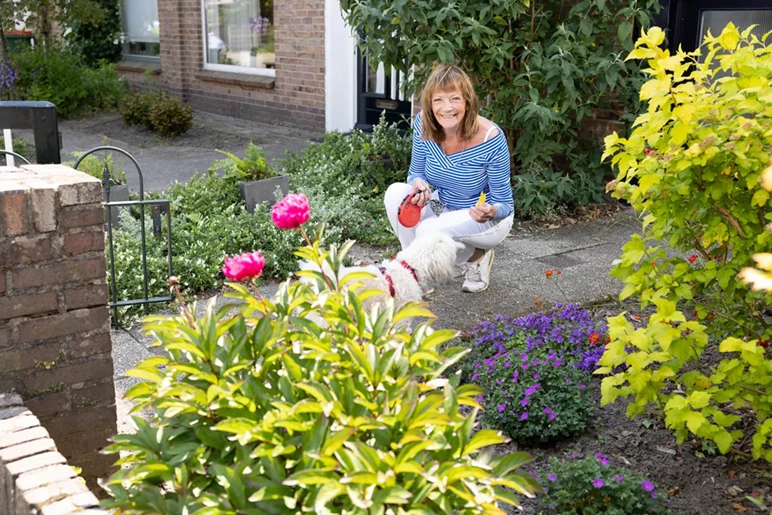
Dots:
pixel 449 108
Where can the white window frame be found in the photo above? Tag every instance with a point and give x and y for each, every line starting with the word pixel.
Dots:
pixel 231 68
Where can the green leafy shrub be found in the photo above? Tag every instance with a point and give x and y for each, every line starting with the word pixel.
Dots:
pixel 170 116
pixel 544 69
pixel 59 77
pixel 693 165
pixel 591 486
pixel 95 37
pixel 266 411
pixel 94 165
pixel 253 167
pixel 156 111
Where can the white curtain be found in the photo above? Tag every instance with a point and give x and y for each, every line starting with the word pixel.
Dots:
pixel 140 21
pixel 716 20
pixel 232 29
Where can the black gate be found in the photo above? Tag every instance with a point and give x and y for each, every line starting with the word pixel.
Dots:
pixel 374 99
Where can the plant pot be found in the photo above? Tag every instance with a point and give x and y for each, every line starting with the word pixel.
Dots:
pixel 118 193
pixel 262 192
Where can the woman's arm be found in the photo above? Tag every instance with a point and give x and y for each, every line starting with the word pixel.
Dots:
pixel 500 180
pixel 418 157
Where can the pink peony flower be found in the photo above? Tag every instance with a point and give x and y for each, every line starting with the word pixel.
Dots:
pixel 291 212
pixel 244 266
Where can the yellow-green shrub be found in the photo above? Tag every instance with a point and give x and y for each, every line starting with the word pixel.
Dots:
pixel 692 168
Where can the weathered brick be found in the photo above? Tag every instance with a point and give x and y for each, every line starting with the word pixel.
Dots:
pixel 2 283
pixel 71 504
pixel 26 435
pixel 83 242
pixel 44 476
pixel 18 423
pixel 25 449
pixel 35 462
pixel 93 345
pixel 40 380
pixel 78 422
pixel 9 399
pixel 78 193
pixel 5 336
pixel 22 305
pixel 43 208
pixel 72 322
pixel 85 442
pixel 91 395
pixel 14 218
pixel 26 250
pixel 82 216
pixel 38 356
pixel 55 491
pixel 94 465
pixel 86 296
pixel 60 273
pixel 48 404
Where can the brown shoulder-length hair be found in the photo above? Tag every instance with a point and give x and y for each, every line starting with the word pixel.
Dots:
pixel 447 78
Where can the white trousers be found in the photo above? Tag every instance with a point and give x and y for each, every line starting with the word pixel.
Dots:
pixel 458 224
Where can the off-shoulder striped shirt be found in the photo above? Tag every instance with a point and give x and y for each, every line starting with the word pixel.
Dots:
pixel 460 178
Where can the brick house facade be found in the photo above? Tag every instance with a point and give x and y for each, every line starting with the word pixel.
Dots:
pixel 295 95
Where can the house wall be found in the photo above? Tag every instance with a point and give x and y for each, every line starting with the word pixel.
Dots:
pixel 296 95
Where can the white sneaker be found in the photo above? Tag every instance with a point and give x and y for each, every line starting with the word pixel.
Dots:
pixel 478 274
pixel 459 270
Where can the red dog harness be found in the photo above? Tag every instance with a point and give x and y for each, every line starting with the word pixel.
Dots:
pixel 388 277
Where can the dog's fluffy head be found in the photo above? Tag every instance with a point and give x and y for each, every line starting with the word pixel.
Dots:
pixel 432 256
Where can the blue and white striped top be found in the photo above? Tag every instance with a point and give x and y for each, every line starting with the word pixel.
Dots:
pixel 460 178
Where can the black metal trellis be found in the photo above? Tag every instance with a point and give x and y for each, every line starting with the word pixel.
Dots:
pixel 158 207
pixel 14 154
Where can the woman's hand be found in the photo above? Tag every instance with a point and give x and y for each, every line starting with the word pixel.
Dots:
pixel 482 213
pixel 424 192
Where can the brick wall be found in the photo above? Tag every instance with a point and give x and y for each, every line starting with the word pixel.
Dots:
pixel 295 97
pixel 54 324
pixel 34 477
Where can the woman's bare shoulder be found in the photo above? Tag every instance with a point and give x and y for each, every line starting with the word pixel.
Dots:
pixel 486 127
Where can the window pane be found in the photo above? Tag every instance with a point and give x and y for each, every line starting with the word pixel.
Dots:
pixel 240 33
pixel 716 20
pixel 140 27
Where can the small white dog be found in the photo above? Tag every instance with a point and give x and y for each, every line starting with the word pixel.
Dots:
pixel 427 261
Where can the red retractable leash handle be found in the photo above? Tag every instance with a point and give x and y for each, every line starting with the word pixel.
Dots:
pixel 409 214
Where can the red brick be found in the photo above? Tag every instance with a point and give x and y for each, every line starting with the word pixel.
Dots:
pixel 93 345
pixel 60 273
pixel 83 242
pixel 26 435
pixel 86 296
pixel 14 219
pixel 35 304
pixel 91 395
pixel 87 190
pixel 35 462
pixel 72 322
pixel 25 449
pixel 39 379
pixel 16 359
pixel 26 250
pixel 94 420
pixel 82 216
pixel 44 476
pixel 48 405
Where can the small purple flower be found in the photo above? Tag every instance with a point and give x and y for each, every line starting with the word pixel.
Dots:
pixel 524 416
pixel 598 482
pixel 499 382
pixel 653 495
pixel 618 479
pixel 475 376
pixel 525 366
pixel 501 407
pixel 648 486
pixel 602 458
pixel 582 387
pixel 479 398
pixel 552 477
pixel 506 364
pixel 536 375
pixel 524 402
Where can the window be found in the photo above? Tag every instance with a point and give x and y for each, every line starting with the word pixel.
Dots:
pixel 140 28
pixel 716 20
pixel 239 35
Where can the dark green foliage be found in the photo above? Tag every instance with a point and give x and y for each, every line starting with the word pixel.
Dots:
pixel 96 40
pixel 59 77
pixel 591 486
pixel 253 167
pixel 165 114
pixel 542 69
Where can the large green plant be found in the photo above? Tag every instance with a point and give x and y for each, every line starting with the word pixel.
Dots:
pixel 692 166
pixel 541 67
pixel 96 38
pixel 308 403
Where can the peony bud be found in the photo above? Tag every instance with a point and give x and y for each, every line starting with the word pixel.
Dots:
pixel 244 266
pixel 291 212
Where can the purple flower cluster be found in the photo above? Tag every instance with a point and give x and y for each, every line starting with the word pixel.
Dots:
pixel 8 77
pixel 258 25
pixel 568 330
